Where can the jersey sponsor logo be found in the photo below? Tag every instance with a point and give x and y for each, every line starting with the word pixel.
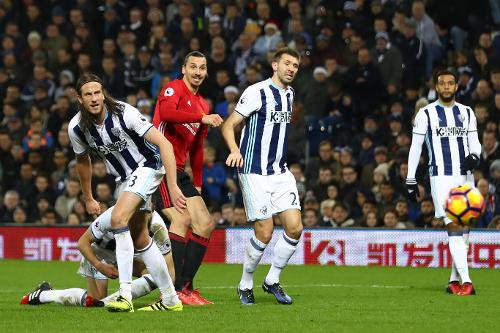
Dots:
pixel 110 147
pixel 280 116
pixel 116 131
pixel 451 131
pixel 168 92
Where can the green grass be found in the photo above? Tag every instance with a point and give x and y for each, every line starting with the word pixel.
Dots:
pixel 326 299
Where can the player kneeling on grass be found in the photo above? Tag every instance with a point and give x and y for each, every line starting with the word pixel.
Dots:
pixel 97 246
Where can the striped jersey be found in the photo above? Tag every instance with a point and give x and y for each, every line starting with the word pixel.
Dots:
pixel 264 139
pixel 119 141
pixel 446 130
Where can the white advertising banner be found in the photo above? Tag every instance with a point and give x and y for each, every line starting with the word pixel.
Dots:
pixel 354 247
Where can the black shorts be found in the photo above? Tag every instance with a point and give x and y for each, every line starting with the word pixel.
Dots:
pixel 161 198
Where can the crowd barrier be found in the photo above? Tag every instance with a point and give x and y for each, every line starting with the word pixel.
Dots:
pixel 341 247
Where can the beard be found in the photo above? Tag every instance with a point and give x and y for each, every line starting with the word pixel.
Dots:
pixel 446 99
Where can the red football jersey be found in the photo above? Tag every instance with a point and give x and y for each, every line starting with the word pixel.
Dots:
pixel 178 114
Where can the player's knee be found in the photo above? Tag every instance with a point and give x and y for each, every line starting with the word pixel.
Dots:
pixel 118 219
pixel 264 235
pixel 295 231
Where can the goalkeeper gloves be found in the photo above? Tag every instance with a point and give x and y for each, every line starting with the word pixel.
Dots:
pixel 412 188
pixel 471 162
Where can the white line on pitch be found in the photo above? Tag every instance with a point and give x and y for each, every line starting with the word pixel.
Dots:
pixel 321 285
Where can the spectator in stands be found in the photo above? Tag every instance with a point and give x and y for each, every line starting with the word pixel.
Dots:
pixel 20 216
pixel 363 83
pixel 65 202
pixel 387 59
pixel 73 219
pixel 239 216
pixel 326 211
pixel 390 219
pixel 227 215
pixel 495 223
pixel 491 150
pixel 24 185
pixel 10 201
pixel 426 217
pixel 112 77
pixel 104 194
pixel 50 217
pixel 370 220
pixel 214 177
pixel 427 32
pixel 490 200
pixel 42 205
pixel 269 41
pixel 340 217
pixel 310 218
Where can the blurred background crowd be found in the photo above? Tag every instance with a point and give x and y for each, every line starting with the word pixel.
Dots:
pixel 366 67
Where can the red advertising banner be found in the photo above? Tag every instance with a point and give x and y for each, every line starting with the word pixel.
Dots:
pixel 60 243
pixel 343 247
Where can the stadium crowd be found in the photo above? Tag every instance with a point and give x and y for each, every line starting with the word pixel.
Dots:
pixel 366 67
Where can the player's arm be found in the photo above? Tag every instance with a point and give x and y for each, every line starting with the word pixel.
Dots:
pixel 196 158
pixel 168 111
pixel 84 170
pixel 83 165
pixel 418 137
pixel 85 248
pixel 472 161
pixel 234 159
pixel 168 158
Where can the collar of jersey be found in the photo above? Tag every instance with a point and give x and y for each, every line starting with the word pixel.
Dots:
pixel 444 106
pixel 276 86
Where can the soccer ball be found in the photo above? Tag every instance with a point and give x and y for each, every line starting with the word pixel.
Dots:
pixel 464 205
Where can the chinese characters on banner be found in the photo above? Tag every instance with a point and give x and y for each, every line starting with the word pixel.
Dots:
pixel 340 247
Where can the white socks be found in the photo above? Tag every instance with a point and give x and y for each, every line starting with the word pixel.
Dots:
pixel 157 267
pixel 283 251
pixel 458 249
pixel 454 273
pixel 140 287
pixel 72 296
pixel 124 259
pixel 253 253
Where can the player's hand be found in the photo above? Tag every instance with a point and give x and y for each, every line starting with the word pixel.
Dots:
pixel 212 120
pixel 235 159
pixel 412 188
pixel 108 270
pixel 471 162
pixel 93 207
pixel 178 198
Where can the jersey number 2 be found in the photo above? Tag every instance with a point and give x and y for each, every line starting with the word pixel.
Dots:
pixel 294 201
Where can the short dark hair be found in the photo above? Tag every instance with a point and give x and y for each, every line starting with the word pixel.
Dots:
pixel 444 71
pixel 286 50
pixel 196 54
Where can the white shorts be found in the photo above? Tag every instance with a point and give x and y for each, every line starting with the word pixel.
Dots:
pixel 86 269
pixel 440 188
pixel 265 196
pixel 143 182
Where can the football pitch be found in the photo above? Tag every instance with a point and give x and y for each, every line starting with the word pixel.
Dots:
pixel 326 299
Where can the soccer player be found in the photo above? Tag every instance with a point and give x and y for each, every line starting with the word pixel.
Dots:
pixel 129 145
pixel 267 185
pixel 182 115
pixel 449 130
pixel 98 264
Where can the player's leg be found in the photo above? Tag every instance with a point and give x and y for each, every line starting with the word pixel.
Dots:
pixel 149 253
pixel 179 226
pixel 440 187
pixel 196 246
pixel 126 206
pixel 256 199
pixel 284 203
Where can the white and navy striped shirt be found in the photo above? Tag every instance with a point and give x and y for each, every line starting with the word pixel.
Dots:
pixel 446 131
pixel 268 110
pixel 119 141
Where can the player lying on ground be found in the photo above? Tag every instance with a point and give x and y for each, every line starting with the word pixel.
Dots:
pixel 98 264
